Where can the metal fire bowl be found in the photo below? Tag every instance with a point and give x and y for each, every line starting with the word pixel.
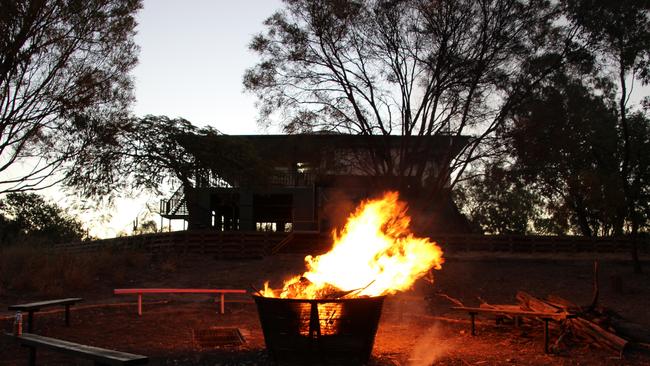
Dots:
pixel 321 331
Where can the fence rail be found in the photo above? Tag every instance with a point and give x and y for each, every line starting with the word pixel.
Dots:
pixel 240 244
pixel 220 244
pixel 539 244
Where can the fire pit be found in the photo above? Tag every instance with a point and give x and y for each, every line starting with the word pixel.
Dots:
pixel 330 313
pixel 306 331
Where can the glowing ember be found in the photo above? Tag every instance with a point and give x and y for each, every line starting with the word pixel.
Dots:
pixel 375 254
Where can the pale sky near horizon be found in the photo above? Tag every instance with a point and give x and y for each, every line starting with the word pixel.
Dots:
pixel 193 55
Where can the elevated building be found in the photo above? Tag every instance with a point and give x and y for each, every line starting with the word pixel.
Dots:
pixel 307 182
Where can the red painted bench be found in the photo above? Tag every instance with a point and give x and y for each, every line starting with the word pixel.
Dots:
pixel 141 291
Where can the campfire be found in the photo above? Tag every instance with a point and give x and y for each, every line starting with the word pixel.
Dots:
pixel 332 310
pixel 374 254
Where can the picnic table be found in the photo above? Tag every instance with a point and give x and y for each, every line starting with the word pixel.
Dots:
pixel 33 307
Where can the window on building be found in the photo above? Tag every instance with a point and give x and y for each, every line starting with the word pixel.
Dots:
pixel 266 226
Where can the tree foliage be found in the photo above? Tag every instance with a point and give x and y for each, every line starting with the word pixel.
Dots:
pixel 29 218
pixel 564 142
pixel 147 156
pixel 500 202
pixel 154 152
pixel 410 68
pixel 64 84
pixel 618 32
pixel 576 140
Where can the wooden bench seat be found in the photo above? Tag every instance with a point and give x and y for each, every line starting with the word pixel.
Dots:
pixel 100 356
pixel 516 313
pixel 142 291
pixel 33 307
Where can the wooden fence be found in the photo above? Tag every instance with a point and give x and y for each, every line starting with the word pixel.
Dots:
pixel 219 244
pixel 239 244
pixel 539 244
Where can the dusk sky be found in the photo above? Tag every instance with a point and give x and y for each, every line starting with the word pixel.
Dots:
pixel 193 55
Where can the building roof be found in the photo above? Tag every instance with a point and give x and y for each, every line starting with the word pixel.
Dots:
pixel 310 147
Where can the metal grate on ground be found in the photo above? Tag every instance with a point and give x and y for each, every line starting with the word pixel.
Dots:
pixel 217 337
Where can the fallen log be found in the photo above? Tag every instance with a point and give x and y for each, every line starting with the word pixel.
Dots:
pixel 631 331
pixel 563 303
pixel 453 300
pixel 593 333
pixel 532 303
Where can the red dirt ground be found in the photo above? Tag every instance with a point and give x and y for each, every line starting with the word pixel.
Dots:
pixel 417 328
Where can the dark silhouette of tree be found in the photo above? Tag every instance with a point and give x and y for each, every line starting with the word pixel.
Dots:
pixel 64 84
pixel 154 153
pixel 410 68
pixel 564 142
pixel 28 218
pixel 500 202
pixel 145 227
pixel 619 33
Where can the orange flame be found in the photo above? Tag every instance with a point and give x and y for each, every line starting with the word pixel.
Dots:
pixel 375 254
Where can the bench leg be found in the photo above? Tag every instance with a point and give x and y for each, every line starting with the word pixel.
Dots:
pixel 546 335
pixel 67 315
pixel 140 304
pixel 32 356
pixel 473 318
pixel 223 302
pixel 30 321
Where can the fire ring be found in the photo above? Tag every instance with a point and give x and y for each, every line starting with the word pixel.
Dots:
pixel 320 331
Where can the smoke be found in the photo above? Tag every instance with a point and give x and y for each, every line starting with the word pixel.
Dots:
pixel 429 348
pixel 336 207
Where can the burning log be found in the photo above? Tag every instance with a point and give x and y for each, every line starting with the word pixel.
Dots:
pixel 375 254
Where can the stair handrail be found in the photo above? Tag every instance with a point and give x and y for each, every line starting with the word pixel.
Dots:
pixel 174 202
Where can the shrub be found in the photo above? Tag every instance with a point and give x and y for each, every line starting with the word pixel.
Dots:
pixel 52 273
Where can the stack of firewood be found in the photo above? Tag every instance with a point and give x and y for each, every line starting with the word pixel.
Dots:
pixel 594 324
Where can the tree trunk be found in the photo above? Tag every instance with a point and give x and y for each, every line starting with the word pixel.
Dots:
pixel 635 247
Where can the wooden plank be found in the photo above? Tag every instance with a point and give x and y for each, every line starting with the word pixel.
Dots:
pixel 125 291
pixel 97 354
pixel 535 314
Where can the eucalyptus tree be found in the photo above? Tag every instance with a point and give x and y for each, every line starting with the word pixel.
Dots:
pixel 406 67
pixel 62 64
pixel 618 33
pixel 27 218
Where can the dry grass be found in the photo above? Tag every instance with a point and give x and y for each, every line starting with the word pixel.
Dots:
pixel 39 269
